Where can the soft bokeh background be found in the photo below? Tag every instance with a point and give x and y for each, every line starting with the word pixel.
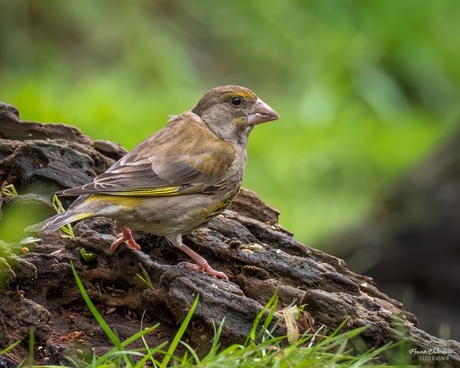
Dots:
pixel 366 89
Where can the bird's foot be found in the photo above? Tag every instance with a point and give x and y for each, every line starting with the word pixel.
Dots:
pixel 125 236
pixel 203 266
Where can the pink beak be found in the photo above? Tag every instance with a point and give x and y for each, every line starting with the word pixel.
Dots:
pixel 262 113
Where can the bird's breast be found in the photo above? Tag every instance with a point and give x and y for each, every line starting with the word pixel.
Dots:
pixel 234 175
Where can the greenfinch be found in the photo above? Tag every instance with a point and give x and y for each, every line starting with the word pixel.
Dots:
pixel 179 178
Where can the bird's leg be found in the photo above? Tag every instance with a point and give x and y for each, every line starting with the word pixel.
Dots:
pixel 201 264
pixel 125 236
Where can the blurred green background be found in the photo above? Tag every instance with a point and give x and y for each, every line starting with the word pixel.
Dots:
pixel 365 89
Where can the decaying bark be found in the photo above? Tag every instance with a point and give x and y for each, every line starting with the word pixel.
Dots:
pixel 245 242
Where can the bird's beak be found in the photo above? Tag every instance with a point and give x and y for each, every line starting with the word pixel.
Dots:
pixel 262 113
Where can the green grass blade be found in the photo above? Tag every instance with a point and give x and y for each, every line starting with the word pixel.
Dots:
pixel 31 356
pixel 183 327
pixel 272 303
pixel 94 311
pixel 105 327
pixel 8 348
pixel 138 335
pixel 59 209
pixel 192 353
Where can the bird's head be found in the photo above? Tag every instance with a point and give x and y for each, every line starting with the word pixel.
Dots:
pixel 231 112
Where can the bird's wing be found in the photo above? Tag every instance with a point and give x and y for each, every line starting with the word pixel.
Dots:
pixel 184 157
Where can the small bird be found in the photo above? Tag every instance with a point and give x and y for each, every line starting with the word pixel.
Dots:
pixel 179 178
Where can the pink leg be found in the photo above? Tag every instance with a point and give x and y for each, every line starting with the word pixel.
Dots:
pixel 125 236
pixel 201 264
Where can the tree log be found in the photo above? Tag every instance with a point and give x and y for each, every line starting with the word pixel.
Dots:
pixel 246 242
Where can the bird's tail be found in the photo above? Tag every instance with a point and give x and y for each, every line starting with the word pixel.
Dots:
pixel 57 221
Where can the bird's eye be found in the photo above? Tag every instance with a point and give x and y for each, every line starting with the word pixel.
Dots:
pixel 236 101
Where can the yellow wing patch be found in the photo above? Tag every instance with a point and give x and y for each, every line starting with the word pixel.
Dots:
pixel 148 192
pixel 141 192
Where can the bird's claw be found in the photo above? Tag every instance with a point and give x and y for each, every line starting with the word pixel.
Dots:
pixel 204 267
pixel 125 236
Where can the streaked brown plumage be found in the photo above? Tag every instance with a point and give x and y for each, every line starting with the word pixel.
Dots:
pixel 179 178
